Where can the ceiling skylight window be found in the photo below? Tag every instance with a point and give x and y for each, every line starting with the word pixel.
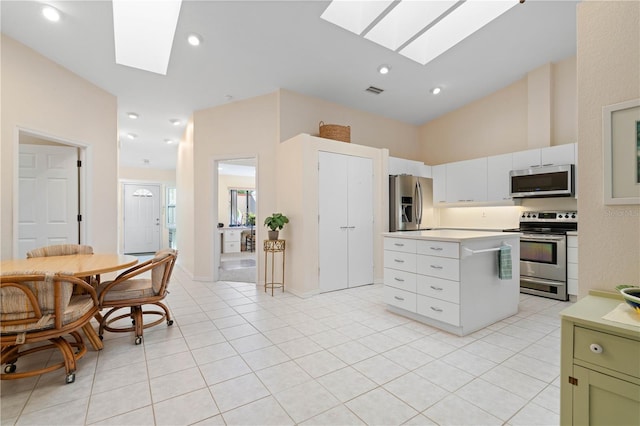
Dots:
pixel 144 32
pixel 421 30
pixel 354 15
pixel 455 27
pixel 405 21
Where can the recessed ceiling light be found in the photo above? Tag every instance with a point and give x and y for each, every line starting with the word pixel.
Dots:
pixel 168 141
pixel 132 135
pixel 436 90
pixel 132 115
pixel 194 39
pixel 175 121
pixel 51 13
pixel 384 69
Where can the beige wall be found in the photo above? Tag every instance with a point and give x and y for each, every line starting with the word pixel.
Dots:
pixel 608 73
pixel 185 200
pixel 241 129
pixel 302 114
pixel 41 97
pixel 538 110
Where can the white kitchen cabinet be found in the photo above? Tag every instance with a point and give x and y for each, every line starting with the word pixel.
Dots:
pixel 231 241
pixel 572 265
pixel 448 278
pixel 467 181
pixel 345 207
pixel 498 182
pixel 557 155
pixel 439 174
pixel 401 166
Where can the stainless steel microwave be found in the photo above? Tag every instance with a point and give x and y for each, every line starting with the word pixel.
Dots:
pixel 545 181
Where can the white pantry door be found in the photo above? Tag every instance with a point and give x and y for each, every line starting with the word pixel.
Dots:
pixel 48 196
pixel 141 218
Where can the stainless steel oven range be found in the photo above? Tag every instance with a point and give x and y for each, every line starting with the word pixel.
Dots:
pixel 543 252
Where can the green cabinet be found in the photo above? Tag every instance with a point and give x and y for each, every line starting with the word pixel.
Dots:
pixel 600 365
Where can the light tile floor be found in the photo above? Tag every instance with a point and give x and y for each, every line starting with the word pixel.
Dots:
pixel 236 355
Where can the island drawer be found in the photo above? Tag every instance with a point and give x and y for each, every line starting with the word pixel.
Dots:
pixel 606 350
pixel 400 260
pixel 439 267
pixel 400 298
pixel 438 309
pixel 400 279
pixel 438 288
pixel 400 244
pixel 438 248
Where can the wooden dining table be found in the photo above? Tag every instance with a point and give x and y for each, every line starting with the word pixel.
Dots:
pixel 78 265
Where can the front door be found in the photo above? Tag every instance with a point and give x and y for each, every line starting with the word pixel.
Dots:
pixel 48 196
pixel 141 218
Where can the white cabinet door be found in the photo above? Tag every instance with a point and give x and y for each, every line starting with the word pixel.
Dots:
pixel 360 220
pixel 332 226
pixel 526 159
pixel 558 155
pixel 345 207
pixel 498 182
pixel 439 174
pixel 467 181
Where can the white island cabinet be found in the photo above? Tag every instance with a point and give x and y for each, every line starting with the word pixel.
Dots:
pixel 450 278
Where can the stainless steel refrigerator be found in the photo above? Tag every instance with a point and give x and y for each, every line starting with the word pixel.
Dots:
pixel 410 203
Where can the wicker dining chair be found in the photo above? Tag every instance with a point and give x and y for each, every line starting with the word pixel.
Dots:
pixel 60 250
pixel 131 291
pixel 37 311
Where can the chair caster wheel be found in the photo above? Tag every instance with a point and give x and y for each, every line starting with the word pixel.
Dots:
pixel 138 340
pixel 170 322
pixel 10 368
pixel 70 378
pixel 101 337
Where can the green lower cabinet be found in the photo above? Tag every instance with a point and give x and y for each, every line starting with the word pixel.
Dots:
pixel 599 399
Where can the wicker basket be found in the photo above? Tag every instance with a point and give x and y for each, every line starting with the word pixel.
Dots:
pixel 335 132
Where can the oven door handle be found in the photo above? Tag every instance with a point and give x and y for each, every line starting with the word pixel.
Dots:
pixel 536 237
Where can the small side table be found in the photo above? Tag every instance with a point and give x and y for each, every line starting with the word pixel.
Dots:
pixel 273 247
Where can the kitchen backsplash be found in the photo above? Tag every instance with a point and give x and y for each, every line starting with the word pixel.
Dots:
pixel 503 217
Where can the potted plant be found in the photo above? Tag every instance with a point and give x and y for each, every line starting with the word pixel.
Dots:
pixel 275 223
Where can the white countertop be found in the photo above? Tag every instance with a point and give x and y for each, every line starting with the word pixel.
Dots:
pixel 458 235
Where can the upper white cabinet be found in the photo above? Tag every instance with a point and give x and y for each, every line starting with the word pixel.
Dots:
pixel 558 155
pixel 439 174
pixel 467 181
pixel 401 166
pixel 550 156
pixel 498 168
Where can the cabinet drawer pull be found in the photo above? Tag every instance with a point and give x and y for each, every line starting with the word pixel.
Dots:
pixel 398 260
pixel 398 244
pixel 436 288
pixel 596 348
pixel 399 298
pixel 548 164
pixel 436 248
pixel 399 279
pixel 436 266
pixel 436 309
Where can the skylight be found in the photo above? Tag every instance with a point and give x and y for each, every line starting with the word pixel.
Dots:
pixel 421 30
pixel 144 32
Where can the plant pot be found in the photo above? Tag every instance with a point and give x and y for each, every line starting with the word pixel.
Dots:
pixel 273 235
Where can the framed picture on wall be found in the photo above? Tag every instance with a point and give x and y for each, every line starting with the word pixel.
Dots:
pixel 621 142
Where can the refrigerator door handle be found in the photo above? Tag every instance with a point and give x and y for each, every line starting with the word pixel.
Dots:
pixel 418 191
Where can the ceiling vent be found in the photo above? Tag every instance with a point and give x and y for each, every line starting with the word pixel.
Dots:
pixel 374 90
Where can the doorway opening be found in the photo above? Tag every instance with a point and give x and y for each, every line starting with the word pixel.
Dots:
pixel 237 209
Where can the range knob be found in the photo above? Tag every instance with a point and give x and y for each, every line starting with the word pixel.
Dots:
pixel 573 216
pixel 566 216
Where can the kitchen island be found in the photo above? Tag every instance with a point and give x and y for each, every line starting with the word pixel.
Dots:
pixel 457 280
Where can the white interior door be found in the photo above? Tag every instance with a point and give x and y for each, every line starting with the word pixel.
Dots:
pixel 332 226
pixel 360 221
pixel 48 196
pixel 141 218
